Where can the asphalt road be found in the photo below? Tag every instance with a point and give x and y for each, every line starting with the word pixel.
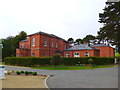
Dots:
pixel 98 78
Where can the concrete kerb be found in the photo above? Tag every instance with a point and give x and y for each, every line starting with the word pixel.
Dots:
pixel 45 81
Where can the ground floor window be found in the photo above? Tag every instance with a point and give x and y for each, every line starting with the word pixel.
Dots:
pixel 67 54
pixel 87 54
pixel 21 54
pixel 33 54
pixel 45 55
pixel 76 54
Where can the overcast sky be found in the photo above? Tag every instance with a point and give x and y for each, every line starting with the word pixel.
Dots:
pixel 64 18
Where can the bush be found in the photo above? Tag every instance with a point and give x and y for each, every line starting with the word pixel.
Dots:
pixel 27 61
pixel 55 60
pixel 30 72
pixel 34 73
pixel 22 72
pixel 26 73
pixel 18 73
pixel 8 72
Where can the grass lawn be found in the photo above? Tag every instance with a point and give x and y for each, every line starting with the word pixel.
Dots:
pixel 72 67
pixel 117 54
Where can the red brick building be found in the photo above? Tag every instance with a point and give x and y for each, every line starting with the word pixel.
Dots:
pixel 41 45
pixel 84 50
pixel 44 45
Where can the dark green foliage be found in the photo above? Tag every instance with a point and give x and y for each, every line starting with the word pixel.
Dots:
pixel 34 73
pixel 111 20
pixel 22 71
pixel 33 61
pixel 18 73
pixel 30 72
pixel 26 73
pixel 55 60
pixel 70 40
pixel 27 61
pixel 11 43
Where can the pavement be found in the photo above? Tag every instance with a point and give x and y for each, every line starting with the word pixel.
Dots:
pixel 97 78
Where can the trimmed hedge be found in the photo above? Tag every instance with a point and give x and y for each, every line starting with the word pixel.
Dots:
pixel 27 61
pixel 38 61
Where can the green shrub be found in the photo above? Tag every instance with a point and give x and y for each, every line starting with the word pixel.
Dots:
pixel 30 72
pixel 34 73
pixel 22 71
pixel 18 72
pixel 26 73
pixel 8 72
pixel 55 60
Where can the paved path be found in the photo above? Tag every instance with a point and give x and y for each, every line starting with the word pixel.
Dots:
pixel 98 78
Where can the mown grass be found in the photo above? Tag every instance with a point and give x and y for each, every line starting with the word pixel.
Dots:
pixel 117 54
pixel 71 67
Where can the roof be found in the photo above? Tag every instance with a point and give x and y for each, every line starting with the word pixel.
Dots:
pixel 81 47
pixel 51 35
pixel 57 51
pixel 99 45
pixel 24 40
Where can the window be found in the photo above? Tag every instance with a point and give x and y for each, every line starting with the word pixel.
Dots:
pixel 52 44
pixel 67 54
pixel 76 54
pixel 65 47
pixel 44 54
pixel 21 55
pixel 45 42
pixel 33 41
pixel 33 54
pixel 23 45
pixel 56 45
pixel 86 54
pixel 17 54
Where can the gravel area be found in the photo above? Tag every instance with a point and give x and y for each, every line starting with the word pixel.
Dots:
pixel 15 81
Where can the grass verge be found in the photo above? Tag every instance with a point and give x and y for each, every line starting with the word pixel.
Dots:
pixel 72 67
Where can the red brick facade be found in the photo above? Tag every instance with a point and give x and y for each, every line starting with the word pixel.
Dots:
pixel 41 45
pixel 44 45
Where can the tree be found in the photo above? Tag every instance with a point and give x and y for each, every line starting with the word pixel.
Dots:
pixel 71 40
pixel 111 20
pixel 55 60
pixel 88 38
pixel 79 41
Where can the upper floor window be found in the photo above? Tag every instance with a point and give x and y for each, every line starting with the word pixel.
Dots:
pixel 45 42
pixel 65 47
pixel 23 45
pixel 56 45
pixel 33 41
pixel 86 54
pixel 52 44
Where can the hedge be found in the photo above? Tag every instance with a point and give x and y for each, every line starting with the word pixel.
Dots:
pixel 33 61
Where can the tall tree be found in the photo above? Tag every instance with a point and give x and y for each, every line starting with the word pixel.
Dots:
pixel 111 23
pixel 88 38
pixel 79 41
pixel 71 40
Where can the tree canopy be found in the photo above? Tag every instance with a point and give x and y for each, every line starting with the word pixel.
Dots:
pixel 111 23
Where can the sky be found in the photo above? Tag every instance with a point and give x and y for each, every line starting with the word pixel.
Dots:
pixel 64 18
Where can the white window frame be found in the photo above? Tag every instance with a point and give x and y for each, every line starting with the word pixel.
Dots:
pixel 33 55
pixel 52 44
pixel 76 54
pixel 67 55
pixel 23 45
pixel 87 54
pixel 45 42
pixel 56 45
pixel 33 41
